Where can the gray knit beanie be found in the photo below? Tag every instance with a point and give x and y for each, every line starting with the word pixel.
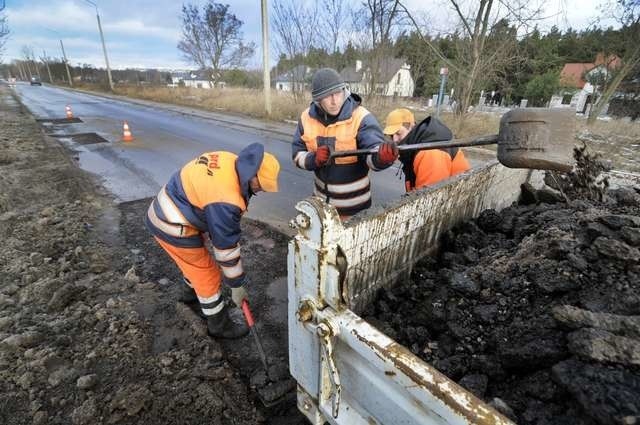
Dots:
pixel 325 82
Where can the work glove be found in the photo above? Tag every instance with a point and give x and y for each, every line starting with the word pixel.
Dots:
pixel 238 295
pixel 387 153
pixel 322 155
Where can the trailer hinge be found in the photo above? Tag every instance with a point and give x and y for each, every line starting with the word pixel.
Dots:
pixel 325 333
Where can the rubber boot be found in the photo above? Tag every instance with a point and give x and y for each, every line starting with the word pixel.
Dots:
pixel 221 325
pixel 187 294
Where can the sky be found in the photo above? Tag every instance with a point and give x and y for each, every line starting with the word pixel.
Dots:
pixel 145 33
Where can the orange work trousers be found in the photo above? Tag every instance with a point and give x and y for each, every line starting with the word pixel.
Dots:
pixel 196 265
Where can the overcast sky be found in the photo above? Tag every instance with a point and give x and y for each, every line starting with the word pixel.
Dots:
pixel 144 33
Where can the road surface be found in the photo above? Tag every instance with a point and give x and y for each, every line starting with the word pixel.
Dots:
pixel 168 136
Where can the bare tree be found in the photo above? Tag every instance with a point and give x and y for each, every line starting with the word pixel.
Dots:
pixel 295 24
pixel 627 13
pixel 4 30
pixel 382 19
pixel 334 23
pixel 211 38
pixel 485 41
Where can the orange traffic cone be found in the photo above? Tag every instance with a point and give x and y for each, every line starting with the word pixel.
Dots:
pixel 126 133
pixel 69 112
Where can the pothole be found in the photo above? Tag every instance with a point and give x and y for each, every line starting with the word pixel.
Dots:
pixel 83 138
pixel 58 120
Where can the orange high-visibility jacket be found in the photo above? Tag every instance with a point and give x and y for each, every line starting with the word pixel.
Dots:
pixel 209 194
pixel 427 167
pixel 346 181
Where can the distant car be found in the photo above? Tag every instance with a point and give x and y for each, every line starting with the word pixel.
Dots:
pixel 35 81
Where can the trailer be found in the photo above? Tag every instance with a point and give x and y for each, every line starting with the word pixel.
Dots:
pixel 347 371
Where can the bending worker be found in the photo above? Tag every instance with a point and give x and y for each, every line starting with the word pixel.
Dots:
pixel 335 120
pixel 209 195
pixel 425 167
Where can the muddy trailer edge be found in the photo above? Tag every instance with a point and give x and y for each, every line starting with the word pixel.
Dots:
pixel 347 371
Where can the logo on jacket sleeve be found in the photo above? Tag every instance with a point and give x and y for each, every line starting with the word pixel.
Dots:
pixel 210 161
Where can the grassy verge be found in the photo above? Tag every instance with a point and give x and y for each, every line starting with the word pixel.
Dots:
pixel 285 106
pixel 617 140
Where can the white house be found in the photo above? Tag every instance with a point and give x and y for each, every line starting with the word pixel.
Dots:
pixel 195 79
pixel 576 80
pixel 393 78
pixel 296 79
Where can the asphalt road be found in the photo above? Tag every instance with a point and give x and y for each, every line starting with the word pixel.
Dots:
pixel 166 137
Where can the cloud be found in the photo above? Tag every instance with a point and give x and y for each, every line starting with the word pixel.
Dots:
pixel 56 16
pixel 53 44
pixel 69 17
pixel 139 28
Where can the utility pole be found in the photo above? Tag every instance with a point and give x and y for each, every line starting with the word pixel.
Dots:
pixel 66 64
pixel 443 80
pixel 104 47
pixel 22 75
pixel 46 62
pixel 29 69
pixel 265 58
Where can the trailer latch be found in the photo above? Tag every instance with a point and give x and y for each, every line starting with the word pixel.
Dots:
pixel 325 333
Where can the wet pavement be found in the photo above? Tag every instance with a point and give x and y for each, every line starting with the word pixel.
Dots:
pixel 165 139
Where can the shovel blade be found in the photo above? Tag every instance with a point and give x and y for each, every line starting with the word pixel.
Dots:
pixel 537 138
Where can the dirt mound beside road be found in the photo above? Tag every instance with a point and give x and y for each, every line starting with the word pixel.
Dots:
pixel 535 309
pixel 90 331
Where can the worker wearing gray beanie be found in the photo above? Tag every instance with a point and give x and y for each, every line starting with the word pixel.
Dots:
pixel 326 81
pixel 336 121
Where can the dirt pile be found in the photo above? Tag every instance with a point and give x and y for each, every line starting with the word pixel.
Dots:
pixel 535 309
pixel 90 331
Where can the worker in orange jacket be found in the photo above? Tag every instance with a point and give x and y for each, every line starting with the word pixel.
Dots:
pixel 337 121
pixel 426 167
pixel 209 195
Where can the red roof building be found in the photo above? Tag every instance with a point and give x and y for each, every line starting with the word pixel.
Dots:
pixel 572 74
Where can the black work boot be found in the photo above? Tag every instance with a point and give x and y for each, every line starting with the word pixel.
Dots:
pixel 187 294
pixel 221 325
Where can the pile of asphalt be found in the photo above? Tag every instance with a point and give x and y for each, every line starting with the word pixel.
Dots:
pixel 534 309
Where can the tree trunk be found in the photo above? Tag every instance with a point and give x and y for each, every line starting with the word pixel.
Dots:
pixel 613 86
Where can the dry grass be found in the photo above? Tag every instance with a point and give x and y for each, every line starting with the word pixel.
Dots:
pixel 619 128
pixel 234 100
pixel 617 140
pixel 287 107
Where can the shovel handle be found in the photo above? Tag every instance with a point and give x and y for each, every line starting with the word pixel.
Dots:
pixel 247 313
pixel 250 322
pixel 455 143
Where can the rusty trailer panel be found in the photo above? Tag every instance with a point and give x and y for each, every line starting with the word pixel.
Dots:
pixel 413 390
pixel 347 371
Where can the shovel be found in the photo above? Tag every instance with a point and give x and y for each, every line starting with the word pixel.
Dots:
pixel 251 323
pixel 528 138
pixel 280 391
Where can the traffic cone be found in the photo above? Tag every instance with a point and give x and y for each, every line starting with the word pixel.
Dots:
pixel 126 133
pixel 69 112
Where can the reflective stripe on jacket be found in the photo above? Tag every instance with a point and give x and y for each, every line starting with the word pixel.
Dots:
pixel 209 194
pixel 344 181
